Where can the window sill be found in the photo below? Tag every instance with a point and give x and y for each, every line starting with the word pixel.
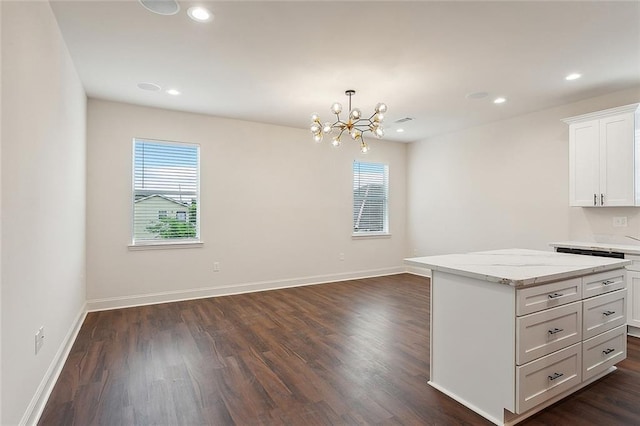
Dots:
pixel 166 246
pixel 364 236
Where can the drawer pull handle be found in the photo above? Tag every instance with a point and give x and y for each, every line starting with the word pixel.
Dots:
pixel 555 376
pixel 555 295
pixel 607 313
pixel 607 282
pixel 556 330
pixel 608 351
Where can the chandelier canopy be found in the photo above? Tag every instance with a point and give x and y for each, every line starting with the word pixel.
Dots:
pixel 355 125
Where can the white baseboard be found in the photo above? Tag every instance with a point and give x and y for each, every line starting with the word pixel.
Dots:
pixel 200 293
pixel 39 400
pixel 633 331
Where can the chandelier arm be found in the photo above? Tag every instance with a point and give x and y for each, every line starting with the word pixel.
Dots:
pixel 369 124
pixel 362 123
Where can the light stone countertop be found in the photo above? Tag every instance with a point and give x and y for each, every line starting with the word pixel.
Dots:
pixel 621 248
pixel 518 267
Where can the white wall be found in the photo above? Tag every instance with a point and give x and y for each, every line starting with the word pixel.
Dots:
pixel 275 208
pixel 500 185
pixel 588 224
pixel 43 203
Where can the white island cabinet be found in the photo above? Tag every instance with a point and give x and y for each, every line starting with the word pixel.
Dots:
pixel 513 331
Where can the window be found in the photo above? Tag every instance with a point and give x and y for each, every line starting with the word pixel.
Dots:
pixel 370 198
pixel 165 192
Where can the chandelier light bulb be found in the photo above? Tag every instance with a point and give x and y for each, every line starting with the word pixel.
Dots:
pixel 327 127
pixel 364 148
pixel 379 132
pixel 355 113
pixel 381 107
pixel 315 117
pixel 317 137
pixel 336 108
pixel 315 128
pixel 336 141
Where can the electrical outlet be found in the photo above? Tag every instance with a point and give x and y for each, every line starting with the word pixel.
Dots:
pixel 39 339
pixel 415 251
pixel 620 222
pixel 216 266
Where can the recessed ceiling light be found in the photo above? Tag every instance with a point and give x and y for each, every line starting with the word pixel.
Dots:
pixel 499 100
pixel 199 14
pixel 573 76
pixel 161 7
pixel 152 87
pixel 173 92
pixel 399 130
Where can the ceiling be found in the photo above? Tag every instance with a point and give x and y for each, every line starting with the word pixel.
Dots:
pixel 278 62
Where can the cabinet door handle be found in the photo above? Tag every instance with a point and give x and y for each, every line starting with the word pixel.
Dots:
pixel 607 313
pixel 556 330
pixel 602 199
pixel 607 282
pixel 608 351
pixel 555 295
pixel 595 200
pixel 555 376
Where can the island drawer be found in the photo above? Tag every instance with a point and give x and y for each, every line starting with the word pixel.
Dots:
pixel 604 282
pixel 547 377
pixel 603 351
pixel 603 313
pixel 544 332
pixel 538 298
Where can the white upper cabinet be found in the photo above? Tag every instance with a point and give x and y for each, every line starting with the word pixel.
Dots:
pixel 603 170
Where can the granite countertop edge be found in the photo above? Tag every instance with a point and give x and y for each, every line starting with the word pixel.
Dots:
pixel 528 282
pixel 520 268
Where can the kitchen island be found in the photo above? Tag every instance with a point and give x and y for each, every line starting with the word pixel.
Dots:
pixel 513 331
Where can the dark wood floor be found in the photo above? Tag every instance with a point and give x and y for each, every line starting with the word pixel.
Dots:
pixel 354 352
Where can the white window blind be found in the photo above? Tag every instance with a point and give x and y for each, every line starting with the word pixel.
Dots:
pixel 370 198
pixel 166 180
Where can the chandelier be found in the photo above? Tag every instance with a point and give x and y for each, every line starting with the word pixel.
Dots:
pixel 355 125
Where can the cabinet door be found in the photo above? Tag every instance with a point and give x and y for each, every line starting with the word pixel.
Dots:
pixel 633 289
pixel 617 160
pixel 584 164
